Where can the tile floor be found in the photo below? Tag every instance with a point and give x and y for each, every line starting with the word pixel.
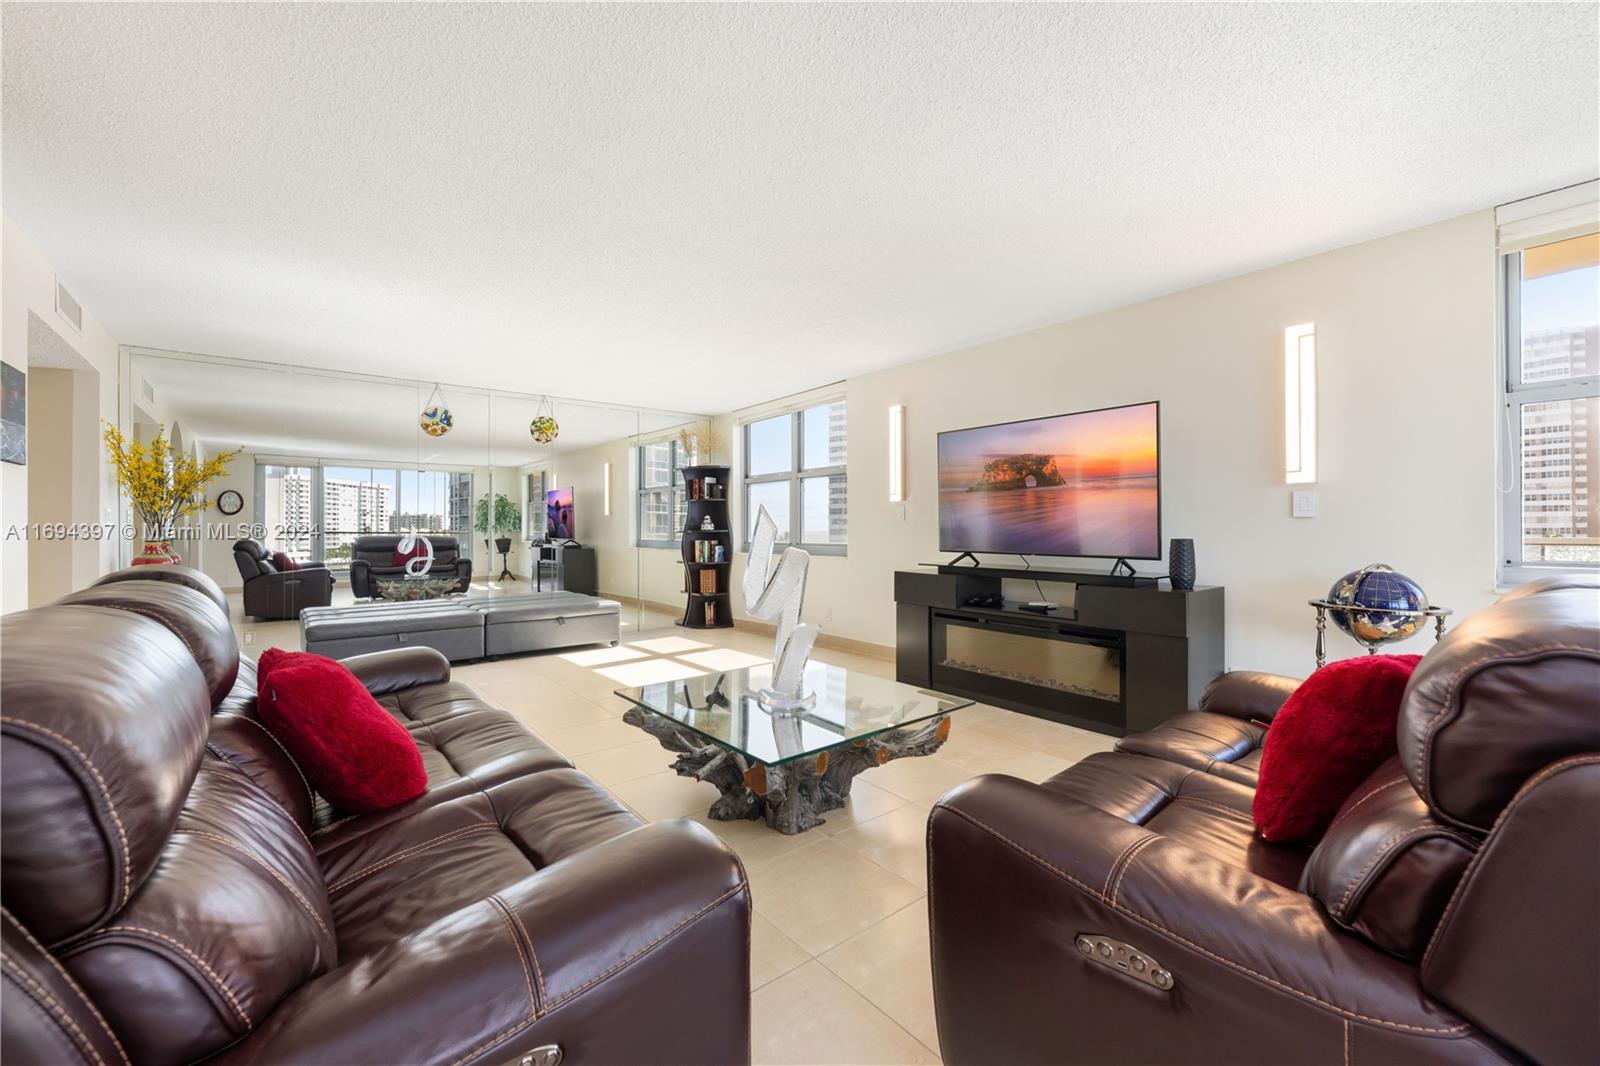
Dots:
pixel 829 983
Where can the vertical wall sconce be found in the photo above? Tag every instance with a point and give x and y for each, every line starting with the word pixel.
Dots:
pixel 897 453
pixel 605 489
pixel 1300 404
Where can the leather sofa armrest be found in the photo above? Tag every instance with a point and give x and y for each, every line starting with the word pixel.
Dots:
pixel 397 669
pixel 360 577
pixel 604 954
pixel 1248 694
pixel 1016 873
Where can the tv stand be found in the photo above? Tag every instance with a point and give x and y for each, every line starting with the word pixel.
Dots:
pixel 1122 568
pixel 963 555
pixel 1121 658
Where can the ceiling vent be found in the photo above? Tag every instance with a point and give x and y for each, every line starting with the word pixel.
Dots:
pixel 68 307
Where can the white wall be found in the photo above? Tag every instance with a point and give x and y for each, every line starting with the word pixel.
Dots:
pixel 27 284
pixel 1406 351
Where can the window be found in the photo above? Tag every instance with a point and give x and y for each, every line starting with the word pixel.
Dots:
pixel 1550 432
pixel 318 511
pixel 662 510
pixel 794 466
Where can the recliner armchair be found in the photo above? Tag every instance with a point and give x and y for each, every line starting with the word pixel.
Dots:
pixel 373 558
pixel 1451 913
pixel 280 595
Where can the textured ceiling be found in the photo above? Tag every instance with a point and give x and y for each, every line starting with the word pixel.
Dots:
pixel 698 207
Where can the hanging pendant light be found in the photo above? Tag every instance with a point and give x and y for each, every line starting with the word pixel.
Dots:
pixel 544 428
pixel 436 419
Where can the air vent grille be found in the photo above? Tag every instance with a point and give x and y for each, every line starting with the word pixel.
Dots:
pixel 68 307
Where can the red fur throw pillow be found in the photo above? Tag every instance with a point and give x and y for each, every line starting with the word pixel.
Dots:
pixel 418 550
pixel 273 658
pixel 353 752
pixel 282 561
pixel 1331 733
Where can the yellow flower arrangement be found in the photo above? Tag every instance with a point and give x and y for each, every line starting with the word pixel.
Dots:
pixel 161 485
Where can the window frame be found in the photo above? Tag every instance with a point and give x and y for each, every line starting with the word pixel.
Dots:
pixel 1512 569
pixel 677 495
pixel 796 475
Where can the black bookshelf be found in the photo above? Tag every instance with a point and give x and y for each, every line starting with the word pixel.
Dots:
pixel 707 500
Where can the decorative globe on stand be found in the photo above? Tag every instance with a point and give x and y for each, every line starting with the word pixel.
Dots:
pixel 1374 598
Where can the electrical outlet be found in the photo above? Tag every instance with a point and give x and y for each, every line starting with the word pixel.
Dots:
pixel 249 638
pixel 1303 503
pixel 899 512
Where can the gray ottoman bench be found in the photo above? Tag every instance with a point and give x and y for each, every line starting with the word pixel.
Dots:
pixel 548 620
pixel 448 626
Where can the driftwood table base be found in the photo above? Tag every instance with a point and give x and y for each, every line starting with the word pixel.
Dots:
pixel 791 796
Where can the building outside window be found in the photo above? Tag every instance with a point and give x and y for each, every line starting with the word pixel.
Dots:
pixel 661 509
pixel 317 511
pixel 1550 500
pixel 794 466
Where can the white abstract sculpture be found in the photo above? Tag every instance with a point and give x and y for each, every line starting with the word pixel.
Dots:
pixel 774 594
pixel 421 564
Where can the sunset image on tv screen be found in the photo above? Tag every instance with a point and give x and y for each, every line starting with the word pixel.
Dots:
pixel 1082 484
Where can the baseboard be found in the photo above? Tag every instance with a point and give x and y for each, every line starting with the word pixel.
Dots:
pixel 826 640
pixel 767 629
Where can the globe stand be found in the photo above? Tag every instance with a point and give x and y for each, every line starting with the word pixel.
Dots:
pixel 1438 614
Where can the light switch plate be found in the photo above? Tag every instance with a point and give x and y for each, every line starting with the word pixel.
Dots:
pixel 1303 503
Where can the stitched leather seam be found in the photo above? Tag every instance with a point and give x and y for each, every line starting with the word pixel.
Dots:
pixel 310 792
pixel 125 875
pixel 493 1040
pixel 1151 923
pixel 35 991
pixel 1472 868
pixel 1403 780
pixel 1132 854
pixel 500 911
pixel 528 940
pixel 505 1034
pixel 261 790
pixel 1116 865
pixel 335 824
pixel 1449 705
pixel 636 956
pixel 1240 815
pixel 69 982
pixel 1387 850
pixel 154 616
pixel 188 952
pixel 366 871
pixel 1347 1042
pixel 256 860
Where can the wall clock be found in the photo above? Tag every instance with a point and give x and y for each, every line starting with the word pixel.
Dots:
pixel 230 502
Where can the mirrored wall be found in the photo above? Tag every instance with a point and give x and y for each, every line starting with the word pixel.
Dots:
pixel 538 492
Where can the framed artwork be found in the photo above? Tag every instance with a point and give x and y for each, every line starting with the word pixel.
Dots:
pixel 14 415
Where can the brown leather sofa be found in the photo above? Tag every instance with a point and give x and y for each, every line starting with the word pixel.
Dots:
pixel 372 557
pixel 1450 914
pixel 174 891
pixel 279 595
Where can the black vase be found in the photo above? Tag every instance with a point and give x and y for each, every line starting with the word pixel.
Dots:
pixel 1180 563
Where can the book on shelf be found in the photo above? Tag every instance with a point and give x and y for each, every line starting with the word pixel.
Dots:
pixel 711 614
pixel 708 582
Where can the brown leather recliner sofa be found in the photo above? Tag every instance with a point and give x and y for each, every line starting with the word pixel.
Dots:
pixel 1450 914
pixel 174 891
pixel 372 557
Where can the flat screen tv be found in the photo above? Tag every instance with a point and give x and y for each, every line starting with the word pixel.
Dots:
pixel 558 515
pixel 1086 484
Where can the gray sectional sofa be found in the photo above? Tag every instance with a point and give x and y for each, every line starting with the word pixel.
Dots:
pixel 463 629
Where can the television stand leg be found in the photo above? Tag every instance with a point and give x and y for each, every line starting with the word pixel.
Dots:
pixel 1123 568
pixel 964 555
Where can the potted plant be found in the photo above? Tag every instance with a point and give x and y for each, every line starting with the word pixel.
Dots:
pixel 504 520
pixel 162 485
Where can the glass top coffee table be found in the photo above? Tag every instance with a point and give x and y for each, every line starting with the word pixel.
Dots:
pixel 788 766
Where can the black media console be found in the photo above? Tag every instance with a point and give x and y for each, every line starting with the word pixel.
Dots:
pixel 1123 658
